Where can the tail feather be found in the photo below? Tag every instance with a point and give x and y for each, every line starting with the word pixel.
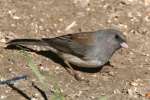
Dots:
pixel 26 42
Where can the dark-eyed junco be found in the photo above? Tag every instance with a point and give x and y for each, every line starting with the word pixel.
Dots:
pixel 86 49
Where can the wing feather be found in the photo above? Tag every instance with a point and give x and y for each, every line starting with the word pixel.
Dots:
pixel 76 44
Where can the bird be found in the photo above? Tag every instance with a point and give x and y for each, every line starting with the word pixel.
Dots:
pixel 84 49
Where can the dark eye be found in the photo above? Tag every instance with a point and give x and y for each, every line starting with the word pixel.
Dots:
pixel 117 37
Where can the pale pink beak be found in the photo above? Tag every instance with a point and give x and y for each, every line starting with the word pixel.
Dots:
pixel 124 45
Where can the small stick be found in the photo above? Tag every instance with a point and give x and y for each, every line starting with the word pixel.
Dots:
pixel 13 80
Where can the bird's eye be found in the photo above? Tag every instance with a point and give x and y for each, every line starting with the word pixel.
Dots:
pixel 117 37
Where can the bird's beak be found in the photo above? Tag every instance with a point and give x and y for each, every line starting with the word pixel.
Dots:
pixel 124 45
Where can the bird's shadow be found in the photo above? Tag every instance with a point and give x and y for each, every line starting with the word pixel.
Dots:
pixel 56 58
pixel 26 96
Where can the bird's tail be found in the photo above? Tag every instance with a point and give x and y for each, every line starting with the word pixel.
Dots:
pixel 27 42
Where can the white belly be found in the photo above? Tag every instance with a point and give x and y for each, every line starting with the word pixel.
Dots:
pixel 80 62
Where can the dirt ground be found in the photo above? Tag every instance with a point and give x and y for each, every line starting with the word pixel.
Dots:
pixel 129 79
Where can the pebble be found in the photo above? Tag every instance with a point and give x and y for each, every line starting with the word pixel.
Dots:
pixel 3 40
pixel 3 97
pixel 134 83
pixel 34 99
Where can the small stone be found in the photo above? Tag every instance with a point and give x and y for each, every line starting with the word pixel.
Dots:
pixel 79 94
pixel 111 73
pixel 147 2
pixel 131 53
pixel 57 68
pixel 59 31
pixel 134 84
pixel 41 19
pixel 36 94
pixel 88 9
pixel 16 17
pixel 41 27
pixel 2 78
pixel 60 19
pixel 10 70
pixel 3 40
pixel 2 97
pixel 132 92
pixel 34 99
pixel 117 91
pixel 13 25
pixel 94 75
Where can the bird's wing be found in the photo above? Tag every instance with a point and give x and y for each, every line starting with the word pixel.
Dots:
pixel 76 44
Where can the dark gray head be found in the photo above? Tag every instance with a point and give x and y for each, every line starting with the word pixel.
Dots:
pixel 107 42
pixel 112 37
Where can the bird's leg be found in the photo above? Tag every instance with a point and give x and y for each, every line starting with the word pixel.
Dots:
pixel 72 71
